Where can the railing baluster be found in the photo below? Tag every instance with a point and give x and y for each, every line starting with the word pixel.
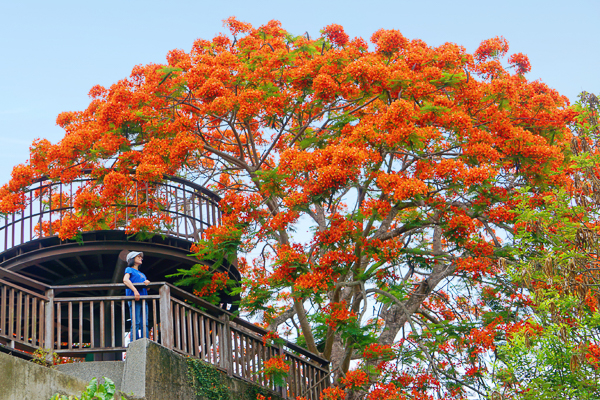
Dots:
pixel 58 326
pixel 60 205
pixel 196 337
pixel 92 345
pixel 112 323
pixel 234 352
pixel 11 313
pixel 214 342
pixel 102 337
pixel 214 216
pixel 207 327
pixel 306 387
pixel 31 215
pixel 12 229
pixel 293 380
pixel 19 315
pixel 199 333
pixel 123 323
pixel 81 324
pixel 177 326
pixel 35 321
pixel 244 358
pixel 3 304
pixel 182 329
pixel 134 332
pixel 253 366
pixel 189 333
pixel 26 319
pixel 144 318
pixel 223 343
pixel 166 323
pixel 70 332
pixel 265 357
pixel 22 227
pixel 42 325
pixel 154 322
pixel 176 213
pixel 50 208
pixel 202 338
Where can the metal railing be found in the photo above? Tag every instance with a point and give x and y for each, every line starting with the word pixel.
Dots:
pixel 189 209
pixel 98 323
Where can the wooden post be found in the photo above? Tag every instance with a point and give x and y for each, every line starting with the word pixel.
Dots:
pixel 49 322
pixel 166 323
pixel 283 388
pixel 225 343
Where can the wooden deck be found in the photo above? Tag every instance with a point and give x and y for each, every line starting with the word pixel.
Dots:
pixel 77 320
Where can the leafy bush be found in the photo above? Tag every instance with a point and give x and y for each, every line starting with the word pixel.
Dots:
pixel 105 391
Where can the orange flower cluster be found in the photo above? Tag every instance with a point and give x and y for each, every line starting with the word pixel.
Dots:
pixel 378 351
pixel 387 391
pixel 521 62
pixel 355 379
pixel 399 187
pixel 290 259
pixel 269 337
pixel 593 355
pixel 276 365
pixel 144 224
pixel 218 281
pixel 336 35
pixel 333 393
pixel 337 314
pixel 318 281
pixel 495 47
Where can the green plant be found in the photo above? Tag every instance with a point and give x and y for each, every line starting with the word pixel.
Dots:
pixel 94 391
pixel 43 356
pixel 206 381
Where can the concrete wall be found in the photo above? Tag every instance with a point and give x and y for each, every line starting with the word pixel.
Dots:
pixel 150 372
pixel 153 372
pixel 97 369
pixel 24 380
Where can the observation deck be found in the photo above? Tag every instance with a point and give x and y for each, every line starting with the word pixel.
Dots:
pixel 31 247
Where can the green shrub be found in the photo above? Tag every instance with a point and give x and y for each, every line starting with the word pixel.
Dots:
pixel 105 391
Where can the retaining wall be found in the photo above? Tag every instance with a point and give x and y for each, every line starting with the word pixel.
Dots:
pixel 24 380
pixel 150 372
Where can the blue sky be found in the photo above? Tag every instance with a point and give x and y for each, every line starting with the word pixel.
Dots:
pixel 54 52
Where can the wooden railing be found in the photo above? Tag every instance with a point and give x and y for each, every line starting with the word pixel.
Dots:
pixel 22 316
pixel 97 323
pixel 237 347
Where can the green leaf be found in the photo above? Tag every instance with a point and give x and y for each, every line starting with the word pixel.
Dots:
pixel 92 387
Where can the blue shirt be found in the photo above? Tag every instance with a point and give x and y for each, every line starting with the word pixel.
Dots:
pixel 135 276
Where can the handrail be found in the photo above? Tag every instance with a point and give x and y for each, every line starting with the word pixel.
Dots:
pixel 101 286
pixel 34 294
pixel 5 273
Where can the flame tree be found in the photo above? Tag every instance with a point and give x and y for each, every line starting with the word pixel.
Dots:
pixel 368 190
